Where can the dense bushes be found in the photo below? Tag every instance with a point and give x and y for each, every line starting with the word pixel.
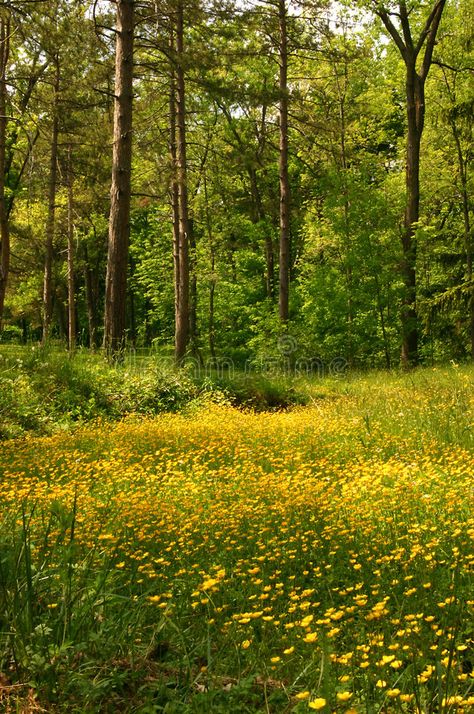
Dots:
pixel 43 389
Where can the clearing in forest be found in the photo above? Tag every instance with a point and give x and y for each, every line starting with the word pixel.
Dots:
pixel 222 561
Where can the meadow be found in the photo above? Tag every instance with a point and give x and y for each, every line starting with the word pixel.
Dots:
pixel 223 560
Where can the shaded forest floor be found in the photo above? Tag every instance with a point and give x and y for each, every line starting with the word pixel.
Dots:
pixel 221 560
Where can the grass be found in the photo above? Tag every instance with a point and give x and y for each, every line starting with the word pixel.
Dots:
pixel 232 561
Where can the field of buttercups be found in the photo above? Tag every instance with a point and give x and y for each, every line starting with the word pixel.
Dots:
pixel 224 561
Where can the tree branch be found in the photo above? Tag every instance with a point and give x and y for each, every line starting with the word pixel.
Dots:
pixel 391 29
pixel 406 27
pixel 427 27
pixel 434 24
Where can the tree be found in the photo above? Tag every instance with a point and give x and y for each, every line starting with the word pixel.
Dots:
pixel 182 311
pixel 218 102
pixel 4 226
pixel 71 293
pixel 120 192
pixel 415 79
pixel 284 263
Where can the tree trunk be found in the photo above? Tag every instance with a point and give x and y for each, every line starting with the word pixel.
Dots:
pixel 4 226
pixel 415 120
pixel 174 191
pixel 51 221
pixel 469 262
pixel 270 266
pixel 120 192
pixel 342 91
pixel 71 301
pixel 415 98
pixel 283 168
pixel 182 317
pixel 378 295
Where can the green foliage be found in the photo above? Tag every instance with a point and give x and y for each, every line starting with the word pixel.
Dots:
pixel 347 140
pixel 11 334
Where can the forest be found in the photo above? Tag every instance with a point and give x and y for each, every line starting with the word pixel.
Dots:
pixel 241 182
pixel 236 357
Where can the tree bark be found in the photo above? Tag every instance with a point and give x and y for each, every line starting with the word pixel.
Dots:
pixel 342 92
pixel 51 220
pixel 4 224
pixel 120 192
pixel 212 291
pixel 182 316
pixel 415 121
pixel 133 315
pixel 283 168
pixel 71 294
pixel 174 191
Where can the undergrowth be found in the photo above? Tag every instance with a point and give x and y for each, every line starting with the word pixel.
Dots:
pixel 43 390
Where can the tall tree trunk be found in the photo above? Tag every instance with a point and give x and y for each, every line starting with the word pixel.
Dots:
pixel 380 311
pixel 120 192
pixel 270 266
pixel 71 293
pixel 174 190
pixel 469 260
pixel 182 317
pixel 133 317
pixel 4 226
pixel 415 121
pixel 51 220
pixel 342 91
pixel 283 168
pixel 415 101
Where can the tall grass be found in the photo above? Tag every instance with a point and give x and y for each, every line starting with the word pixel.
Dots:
pixel 232 561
